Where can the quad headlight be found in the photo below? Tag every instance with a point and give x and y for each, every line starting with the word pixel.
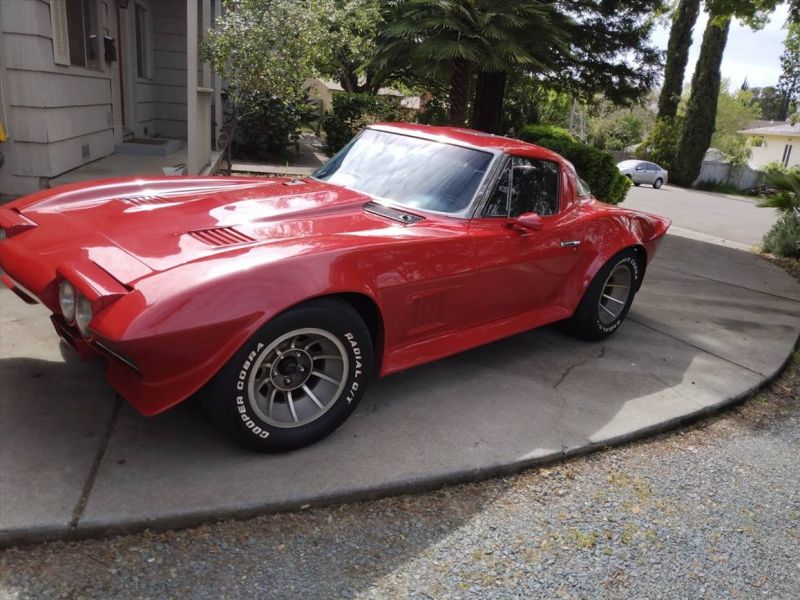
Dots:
pixel 83 315
pixel 66 300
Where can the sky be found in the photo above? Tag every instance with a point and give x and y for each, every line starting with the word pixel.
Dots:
pixel 754 54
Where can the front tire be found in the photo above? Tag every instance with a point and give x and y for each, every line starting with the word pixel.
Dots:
pixel 607 300
pixel 296 380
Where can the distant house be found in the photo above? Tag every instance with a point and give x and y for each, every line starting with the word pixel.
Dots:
pixel 774 143
pixel 83 79
pixel 323 90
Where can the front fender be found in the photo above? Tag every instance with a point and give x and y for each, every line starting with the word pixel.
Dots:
pixel 181 326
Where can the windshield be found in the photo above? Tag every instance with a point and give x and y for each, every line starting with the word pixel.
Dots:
pixel 410 171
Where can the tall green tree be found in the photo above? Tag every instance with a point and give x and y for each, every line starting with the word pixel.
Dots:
pixel 609 53
pixel 701 110
pixel 461 37
pixel 680 40
pixel 351 31
pixel 789 82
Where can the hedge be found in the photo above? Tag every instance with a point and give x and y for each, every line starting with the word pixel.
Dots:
pixel 596 167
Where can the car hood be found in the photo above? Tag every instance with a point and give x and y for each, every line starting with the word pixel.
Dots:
pixel 163 223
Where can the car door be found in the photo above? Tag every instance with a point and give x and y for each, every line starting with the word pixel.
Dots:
pixel 520 269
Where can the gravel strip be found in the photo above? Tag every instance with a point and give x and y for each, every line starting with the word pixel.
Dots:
pixel 708 511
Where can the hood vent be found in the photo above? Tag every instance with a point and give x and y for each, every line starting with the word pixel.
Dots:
pixel 144 200
pixel 221 236
pixel 395 214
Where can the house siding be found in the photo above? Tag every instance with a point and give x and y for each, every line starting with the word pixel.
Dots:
pixel 54 114
pixel 161 99
pixel 772 149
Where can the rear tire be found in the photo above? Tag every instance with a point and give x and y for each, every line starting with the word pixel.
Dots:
pixel 658 183
pixel 607 300
pixel 295 380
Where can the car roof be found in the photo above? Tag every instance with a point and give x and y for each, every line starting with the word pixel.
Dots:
pixel 469 137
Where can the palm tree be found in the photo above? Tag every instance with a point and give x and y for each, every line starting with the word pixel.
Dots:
pixel 460 37
pixel 784 237
pixel 786 195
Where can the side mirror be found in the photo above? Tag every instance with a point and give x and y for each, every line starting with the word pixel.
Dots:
pixel 640 168
pixel 530 221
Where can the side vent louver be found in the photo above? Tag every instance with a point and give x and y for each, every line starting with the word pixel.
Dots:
pixel 394 214
pixel 144 200
pixel 220 236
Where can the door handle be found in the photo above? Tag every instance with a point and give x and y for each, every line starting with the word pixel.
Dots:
pixel 570 243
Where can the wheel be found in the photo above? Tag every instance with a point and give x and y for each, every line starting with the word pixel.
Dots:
pixel 296 380
pixel 658 183
pixel 608 298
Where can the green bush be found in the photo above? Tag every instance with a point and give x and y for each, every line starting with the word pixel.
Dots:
pixel 784 237
pixel 596 167
pixel 534 133
pixel 662 143
pixel 269 127
pixel 350 113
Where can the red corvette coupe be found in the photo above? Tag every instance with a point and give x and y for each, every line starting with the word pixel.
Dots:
pixel 276 301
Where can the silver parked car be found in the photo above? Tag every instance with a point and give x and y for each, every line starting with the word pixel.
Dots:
pixel 641 171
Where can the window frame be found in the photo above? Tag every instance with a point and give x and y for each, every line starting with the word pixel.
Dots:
pixel 87 9
pixel 505 164
pixel 143 39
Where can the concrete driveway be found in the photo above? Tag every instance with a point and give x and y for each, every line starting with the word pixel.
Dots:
pixel 734 221
pixel 709 325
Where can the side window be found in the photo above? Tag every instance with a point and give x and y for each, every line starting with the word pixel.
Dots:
pixel 498 201
pixel 534 188
pixel 583 188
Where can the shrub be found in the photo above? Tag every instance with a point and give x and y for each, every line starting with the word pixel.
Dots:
pixel 536 132
pixel 269 127
pixel 596 167
pixel 784 237
pixel 352 112
pixel 662 143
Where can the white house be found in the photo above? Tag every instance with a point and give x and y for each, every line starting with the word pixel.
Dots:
pixel 83 79
pixel 774 143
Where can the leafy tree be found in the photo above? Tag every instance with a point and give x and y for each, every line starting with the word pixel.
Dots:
pixel 351 31
pixel 735 111
pixel 249 47
pixel 769 101
pixel 661 146
pixel 789 82
pixel 680 40
pixel 609 53
pixel 460 37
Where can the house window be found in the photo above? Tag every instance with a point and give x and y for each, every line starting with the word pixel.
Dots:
pixel 142 22
pixel 81 17
pixel 787 154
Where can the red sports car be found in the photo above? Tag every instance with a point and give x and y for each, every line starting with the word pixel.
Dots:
pixel 276 301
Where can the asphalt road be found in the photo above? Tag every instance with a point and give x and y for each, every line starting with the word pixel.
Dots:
pixel 704 215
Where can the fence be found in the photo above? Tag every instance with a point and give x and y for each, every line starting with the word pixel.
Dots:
pixel 742 177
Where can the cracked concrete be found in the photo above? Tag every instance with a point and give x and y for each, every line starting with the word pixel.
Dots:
pixel 709 325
